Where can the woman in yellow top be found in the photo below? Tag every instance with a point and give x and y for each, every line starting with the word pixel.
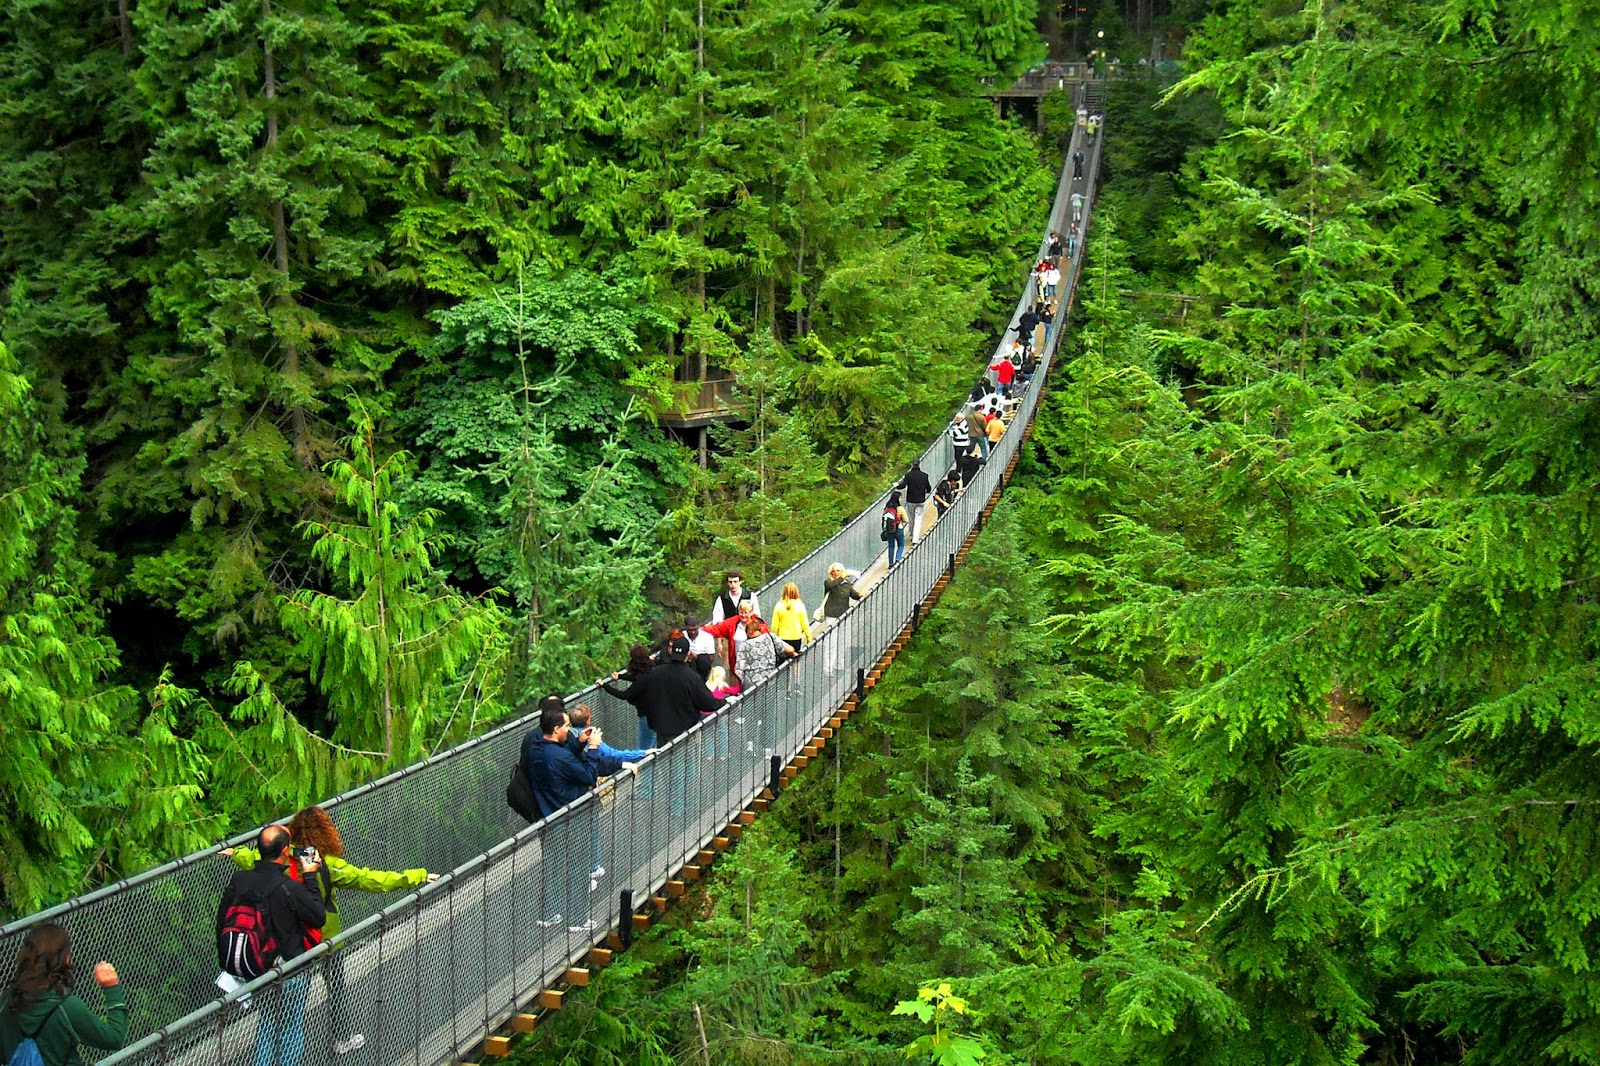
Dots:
pixel 313 828
pixel 789 621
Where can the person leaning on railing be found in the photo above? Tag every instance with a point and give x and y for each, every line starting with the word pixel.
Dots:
pixel 313 828
pixel 42 1008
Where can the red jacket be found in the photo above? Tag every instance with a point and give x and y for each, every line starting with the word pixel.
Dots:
pixel 725 630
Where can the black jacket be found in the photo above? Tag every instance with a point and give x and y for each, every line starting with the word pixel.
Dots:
pixel 671 697
pixel 289 907
pixel 917 486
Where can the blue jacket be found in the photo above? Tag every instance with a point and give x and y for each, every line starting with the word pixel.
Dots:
pixel 557 775
pixel 605 759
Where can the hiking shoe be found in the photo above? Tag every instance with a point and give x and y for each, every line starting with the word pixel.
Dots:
pixel 349 1044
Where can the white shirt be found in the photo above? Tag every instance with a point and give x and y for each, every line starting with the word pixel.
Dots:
pixel 702 643
pixel 1052 277
pixel 717 614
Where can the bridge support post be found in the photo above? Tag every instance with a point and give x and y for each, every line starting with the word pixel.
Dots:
pixel 952 566
pixel 625 919
pixel 861 686
pixel 775 782
pixel 916 617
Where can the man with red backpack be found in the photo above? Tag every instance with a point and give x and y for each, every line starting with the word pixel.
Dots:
pixel 267 917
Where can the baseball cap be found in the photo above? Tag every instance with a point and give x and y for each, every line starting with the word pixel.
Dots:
pixel 678 650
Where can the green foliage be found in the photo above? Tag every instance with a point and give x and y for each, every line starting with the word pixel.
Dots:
pixel 398 654
pixel 1267 694
pixel 545 483
pixel 346 327
pixel 91 784
pixel 941 1007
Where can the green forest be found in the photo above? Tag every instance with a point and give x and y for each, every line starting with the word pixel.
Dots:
pixel 335 338
pixel 1252 732
pixel 1257 729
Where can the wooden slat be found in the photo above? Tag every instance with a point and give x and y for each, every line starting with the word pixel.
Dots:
pixel 691 872
pixel 641 922
pixel 577 976
pixel 736 830
pixel 721 843
pixel 550 998
pixel 760 804
pixel 706 857
pixel 676 888
pixel 497 1046
pixel 746 817
pixel 599 958
pixel 524 1023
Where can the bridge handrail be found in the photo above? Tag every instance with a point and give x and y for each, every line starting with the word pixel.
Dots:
pixel 454 808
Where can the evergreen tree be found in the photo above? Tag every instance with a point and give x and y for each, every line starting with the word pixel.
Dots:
pixel 549 488
pixel 259 172
pixel 397 653
pixel 91 784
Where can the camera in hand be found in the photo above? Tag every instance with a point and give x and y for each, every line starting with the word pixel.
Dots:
pixel 308 856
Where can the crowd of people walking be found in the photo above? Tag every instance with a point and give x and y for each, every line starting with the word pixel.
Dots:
pixel 703 666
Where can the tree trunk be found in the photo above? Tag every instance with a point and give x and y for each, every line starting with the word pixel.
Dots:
pixel 298 432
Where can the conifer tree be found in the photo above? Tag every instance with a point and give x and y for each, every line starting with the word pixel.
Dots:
pixel 549 483
pixel 88 784
pixel 257 246
pixel 397 654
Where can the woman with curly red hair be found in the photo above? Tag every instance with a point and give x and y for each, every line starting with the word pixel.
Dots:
pixel 313 828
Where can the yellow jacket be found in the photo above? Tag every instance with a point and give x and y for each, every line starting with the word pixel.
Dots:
pixel 789 621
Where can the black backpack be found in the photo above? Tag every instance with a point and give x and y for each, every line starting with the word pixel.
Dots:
pixel 519 791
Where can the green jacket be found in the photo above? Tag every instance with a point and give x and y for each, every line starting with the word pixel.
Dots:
pixel 73 1024
pixel 343 875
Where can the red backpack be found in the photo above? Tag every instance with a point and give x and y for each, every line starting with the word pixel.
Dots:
pixel 245 947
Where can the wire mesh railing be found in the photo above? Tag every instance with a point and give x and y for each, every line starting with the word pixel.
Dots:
pixel 426 975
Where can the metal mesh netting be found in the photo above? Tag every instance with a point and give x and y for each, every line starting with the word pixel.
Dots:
pixel 425 975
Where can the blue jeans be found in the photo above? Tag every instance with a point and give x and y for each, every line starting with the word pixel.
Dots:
pixel 338 998
pixel 647 739
pixel 281 1032
pixel 897 544
pixel 984 443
